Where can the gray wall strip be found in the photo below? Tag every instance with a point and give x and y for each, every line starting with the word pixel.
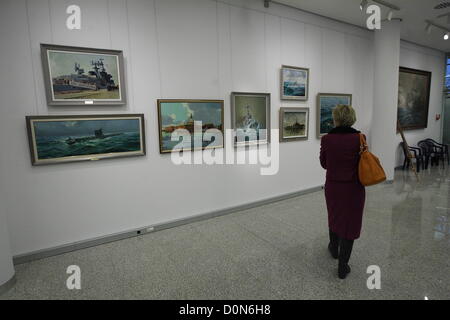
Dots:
pixel 45 253
pixel 7 285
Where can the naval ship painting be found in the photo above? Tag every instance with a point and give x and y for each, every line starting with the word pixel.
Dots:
pixel 177 114
pixel 96 79
pixel 76 75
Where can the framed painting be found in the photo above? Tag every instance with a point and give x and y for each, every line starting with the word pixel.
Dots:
pixel 413 98
pixel 190 124
pixel 294 124
pixel 294 83
pixel 83 76
pixel 58 139
pixel 250 118
pixel 326 102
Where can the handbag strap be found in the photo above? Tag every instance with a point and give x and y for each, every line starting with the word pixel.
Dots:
pixel 363 147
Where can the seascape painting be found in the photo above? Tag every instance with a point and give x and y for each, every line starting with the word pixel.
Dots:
pixel 61 139
pixel 326 102
pixel 194 116
pixel 294 83
pixel 294 124
pixel 83 76
pixel 413 98
pixel 251 117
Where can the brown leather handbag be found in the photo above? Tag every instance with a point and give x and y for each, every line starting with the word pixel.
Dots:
pixel 370 170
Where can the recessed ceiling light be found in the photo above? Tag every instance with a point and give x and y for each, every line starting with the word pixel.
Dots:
pixel 446 36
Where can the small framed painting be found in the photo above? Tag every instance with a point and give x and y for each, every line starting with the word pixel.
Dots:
pixel 57 139
pixel 197 123
pixel 294 124
pixel 250 118
pixel 294 83
pixel 83 76
pixel 326 102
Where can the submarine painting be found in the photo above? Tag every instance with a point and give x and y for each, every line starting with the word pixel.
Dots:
pixel 75 76
pixel 183 124
pixel 326 102
pixel 56 139
pixel 294 124
pixel 294 83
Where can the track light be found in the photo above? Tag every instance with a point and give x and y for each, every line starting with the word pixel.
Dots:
pixel 439 27
pixel 363 4
pixel 390 14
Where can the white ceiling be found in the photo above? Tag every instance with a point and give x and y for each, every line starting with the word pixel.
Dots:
pixel 413 13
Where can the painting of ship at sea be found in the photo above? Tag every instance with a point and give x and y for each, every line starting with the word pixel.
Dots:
pixel 83 76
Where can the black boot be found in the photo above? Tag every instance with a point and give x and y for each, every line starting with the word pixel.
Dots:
pixel 334 244
pixel 345 250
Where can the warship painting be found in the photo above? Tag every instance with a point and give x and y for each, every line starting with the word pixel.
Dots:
pixel 185 114
pixel 293 123
pixel 59 139
pixel 326 104
pixel 250 117
pixel 76 75
pixel 81 84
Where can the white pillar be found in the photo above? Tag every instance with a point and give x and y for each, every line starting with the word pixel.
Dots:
pixel 384 119
pixel 6 263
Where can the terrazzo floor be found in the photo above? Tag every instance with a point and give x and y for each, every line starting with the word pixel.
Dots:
pixel 276 251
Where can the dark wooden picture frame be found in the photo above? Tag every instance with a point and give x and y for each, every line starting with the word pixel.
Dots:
pixel 412 107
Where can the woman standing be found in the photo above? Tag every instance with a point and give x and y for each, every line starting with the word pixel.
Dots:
pixel 345 195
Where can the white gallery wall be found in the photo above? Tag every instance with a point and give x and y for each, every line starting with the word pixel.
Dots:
pixel 195 49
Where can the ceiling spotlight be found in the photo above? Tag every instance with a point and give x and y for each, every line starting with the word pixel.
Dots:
pixel 390 14
pixel 446 36
pixel 363 4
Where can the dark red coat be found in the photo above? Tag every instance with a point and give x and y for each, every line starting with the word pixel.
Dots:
pixel 344 194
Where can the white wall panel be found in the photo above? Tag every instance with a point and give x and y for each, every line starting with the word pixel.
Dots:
pixel 187 37
pixel 248 50
pixel 292 43
pixel 333 55
pixel 95 24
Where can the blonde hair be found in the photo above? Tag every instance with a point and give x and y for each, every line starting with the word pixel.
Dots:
pixel 344 115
